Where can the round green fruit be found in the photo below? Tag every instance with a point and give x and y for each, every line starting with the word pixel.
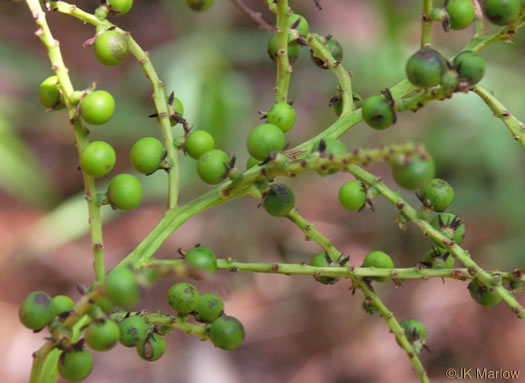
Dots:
pixel 98 159
pixel 36 310
pixel 265 139
pixel 460 13
pixel 201 258
pixel 352 195
pixel 279 200
pixel 212 166
pixel 325 260
pixel 97 107
pixel 379 260
pixel 122 6
pixel 102 335
pixel 426 68
pixel 337 103
pixel 175 106
pixel 502 12
pixel 199 5
pixel 377 112
pixel 183 298
pixel 416 174
pixel 124 192
pixel 227 332
pixel 335 49
pixel 49 94
pixel 75 365
pixel 152 348
pixel 133 330
pixel 282 115
pixel 414 330
pixel 450 225
pixel 302 27
pixel 199 142
pixel 111 48
pixel 121 287
pixel 210 307
pixel 146 155
pixel 63 304
pixel 470 67
pixel 482 294
pixel 438 194
pixel 293 50
pixel 439 258
pixel 251 162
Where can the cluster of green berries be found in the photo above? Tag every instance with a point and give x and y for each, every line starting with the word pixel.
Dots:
pixel 225 331
pixel 461 13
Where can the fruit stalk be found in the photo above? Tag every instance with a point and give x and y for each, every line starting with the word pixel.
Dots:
pixel 426 24
pixel 283 65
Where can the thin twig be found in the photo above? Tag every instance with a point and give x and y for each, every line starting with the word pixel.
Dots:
pixel 255 16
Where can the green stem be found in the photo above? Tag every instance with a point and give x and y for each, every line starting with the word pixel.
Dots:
pixel 426 24
pixel 39 360
pixel 515 126
pixel 283 65
pixel 478 20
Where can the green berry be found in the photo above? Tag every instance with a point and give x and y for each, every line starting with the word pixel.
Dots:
pixel 102 335
pixel 337 103
pixel 335 49
pixel 379 260
pixel 183 298
pixel 199 5
pixel 201 258
pixel 279 200
pixel 133 330
pixel 378 113
pixel 97 107
pixel 450 225
pixel 122 5
pixel 282 115
pixel 302 27
pixel 124 192
pixel 439 258
pixel 146 155
pixel 63 304
pixel 324 260
pixel 328 147
pixel 75 365
pixel 36 310
pixel 438 194
pixel 265 139
pixel 210 307
pixel 502 12
pixel 352 195
pixel 111 48
pixel 98 158
pixel 199 142
pixel 482 294
pixel 227 332
pixel 415 333
pixel 152 348
pixel 416 174
pixel 293 50
pixel 251 162
pixel 425 68
pixel 121 287
pixel 460 13
pixel 212 166
pixel 49 95
pixel 470 67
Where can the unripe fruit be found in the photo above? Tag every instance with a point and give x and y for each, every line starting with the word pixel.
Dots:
pixel 122 5
pixel 183 298
pixel 121 287
pixel 133 330
pixel 212 166
pixel 303 28
pixel 111 48
pixel 98 158
pixel 415 333
pixel 97 107
pixel 324 260
pixel 352 195
pixel 482 294
pixel 337 103
pixel 227 333
pixel 450 225
pixel 265 139
pixel 49 95
pixel 201 258
pixel 377 112
pixel 293 50
pixel 279 200
pixel 470 67
pixel 124 192
pixel 146 155
pixel 502 12
pixel 152 348
pixel 460 13
pixel 425 68
pixel 102 336
pixel 75 366
pixel 335 49
pixel 63 304
pixel 282 115
pixel 199 5
pixel 199 142
pixel 209 308
pixel 416 174
pixel 379 260
pixel 36 310
pixel 439 258
pixel 439 194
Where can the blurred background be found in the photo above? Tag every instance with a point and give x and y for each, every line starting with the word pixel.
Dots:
pixel 216 62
